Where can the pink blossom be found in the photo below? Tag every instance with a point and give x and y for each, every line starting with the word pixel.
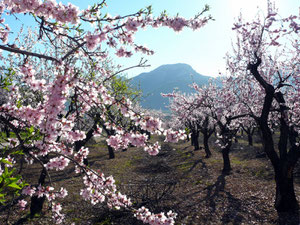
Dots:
pixel 121 52
pixel 22 204
pixel 146 216
pixel 153 149
pixel 92 41
pixel 115 141
pixel 132 24
pixel 58 163
pixel 57 215
pixel 138 139
pixel 152 124
pixel 28 190
pixel 178 23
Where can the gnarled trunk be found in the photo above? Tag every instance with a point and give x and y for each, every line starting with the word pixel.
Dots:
pixel 283 163
pixel 226 160
pixel 205 143
pixel 285 195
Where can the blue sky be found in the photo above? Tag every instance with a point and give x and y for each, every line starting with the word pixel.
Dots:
pixel 204 49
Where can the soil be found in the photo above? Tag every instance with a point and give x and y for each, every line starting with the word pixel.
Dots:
pixel 178 179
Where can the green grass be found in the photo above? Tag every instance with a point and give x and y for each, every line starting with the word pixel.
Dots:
pixel 215 161
pixel 235 161
pixel 76 220
pixel 242 141
pixel 106 221
pixel 184 155
pixel 185 166
pixel 206 183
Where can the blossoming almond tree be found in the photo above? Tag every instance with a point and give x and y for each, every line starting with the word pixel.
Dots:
pixel 266 56
pixel 50 65
pixel 212 106
pixel 186 115
pixel 222 106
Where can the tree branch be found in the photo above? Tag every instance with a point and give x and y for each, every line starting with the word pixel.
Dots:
pixel 23 52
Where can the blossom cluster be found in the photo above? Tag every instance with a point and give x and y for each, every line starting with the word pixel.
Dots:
pixel 63 96
pixel 174 136
pixel 146 216
pixel 51 195
pixel 48 9
pixel 98 188
pixel 131 25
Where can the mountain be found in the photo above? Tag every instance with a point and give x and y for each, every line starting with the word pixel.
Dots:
pixel 165 79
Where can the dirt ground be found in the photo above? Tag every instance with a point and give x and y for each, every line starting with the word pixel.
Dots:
pixel 178 179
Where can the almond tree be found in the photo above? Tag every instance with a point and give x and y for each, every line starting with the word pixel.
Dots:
pixel 222 106
pixel 266 56
pixel 51 65
pixel 248 126
pixel 186 115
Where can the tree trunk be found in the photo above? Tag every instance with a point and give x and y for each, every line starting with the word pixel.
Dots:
pixel 88 136
pixel 192 139
pixel 283 166
pixel 206 146
pixel 37 203
pixel 111 152
pixel 236 140
pixel 226 159
pixel 250 139
pixel 196 141
pixel 261 138
pixel 285 195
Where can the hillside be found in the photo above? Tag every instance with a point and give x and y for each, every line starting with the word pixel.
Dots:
pixel 165 79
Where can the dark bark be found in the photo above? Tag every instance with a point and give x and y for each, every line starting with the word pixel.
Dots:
pixel 267 137
pixel 37 203
pixel 261 138
pixel 249 131
pixel 82 143
pixel 227 136
pixel 206 136
pixel 236 140
pixel 88 136
pixel 285 200
pixel 250 139
pixel 111 152
pixel 283 164
pixel 285 195
pixel 196 141
pixel 226 160
pixel 192 139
